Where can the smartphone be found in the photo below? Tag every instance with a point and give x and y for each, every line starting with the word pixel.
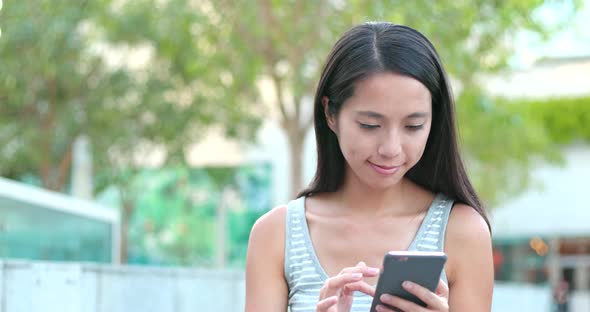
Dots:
pixel 421 267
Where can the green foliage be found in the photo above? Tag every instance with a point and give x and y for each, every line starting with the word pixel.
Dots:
pixel 50 87
pixel 240 224
pixel 565 120
pixel 502 146
pixel 516 135
pixel 177 208
pixel 67 70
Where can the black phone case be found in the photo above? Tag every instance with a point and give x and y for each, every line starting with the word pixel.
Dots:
pixel 423 268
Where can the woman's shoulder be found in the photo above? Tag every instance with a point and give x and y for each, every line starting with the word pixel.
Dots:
pixel 265 279
pixel 466 224
pixel 270 225
pixel 468 241
pixel 266 245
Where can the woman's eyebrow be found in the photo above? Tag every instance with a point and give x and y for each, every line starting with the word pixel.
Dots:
pixel 380 116
pixel 370 114
pixel 417 115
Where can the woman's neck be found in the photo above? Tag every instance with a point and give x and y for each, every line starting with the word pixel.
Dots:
pixel 360 199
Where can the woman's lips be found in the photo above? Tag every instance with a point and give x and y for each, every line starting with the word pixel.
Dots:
pixel 384 170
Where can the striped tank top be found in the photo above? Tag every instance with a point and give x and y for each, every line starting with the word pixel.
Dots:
pixel 304 274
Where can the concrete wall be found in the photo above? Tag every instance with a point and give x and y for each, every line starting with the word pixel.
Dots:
pixel 80 287
pixel 520 298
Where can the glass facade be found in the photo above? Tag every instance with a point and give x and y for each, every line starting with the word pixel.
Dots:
pixel 521 261
pixel 527 261
pixel 34 232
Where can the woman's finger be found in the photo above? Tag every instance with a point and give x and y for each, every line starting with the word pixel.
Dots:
pixel 367 271
pixel 361 286
pixel 333 284
pixel 442 289
pixel 382 308
pixel 397 302
pixel 345 300
pixel 327 303
pixel 340 280
pixel 428 297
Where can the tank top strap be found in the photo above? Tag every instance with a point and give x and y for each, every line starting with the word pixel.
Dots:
pixel 431 235
pixel 298 256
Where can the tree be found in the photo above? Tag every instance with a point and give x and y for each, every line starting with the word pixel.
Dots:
pixel 287 41
pixel 60 78
pixel 186 74
pixel 49 86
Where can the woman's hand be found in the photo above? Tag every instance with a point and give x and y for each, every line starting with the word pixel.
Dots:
pixel 438 301
pixel 337 293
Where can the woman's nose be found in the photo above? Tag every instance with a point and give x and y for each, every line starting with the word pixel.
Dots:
pixel 390 145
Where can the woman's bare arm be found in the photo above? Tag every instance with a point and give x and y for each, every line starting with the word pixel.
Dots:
pixel 266 288
pixel 468 245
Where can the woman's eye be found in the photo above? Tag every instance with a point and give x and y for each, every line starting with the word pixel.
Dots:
pixel 368 126
pixel 415 127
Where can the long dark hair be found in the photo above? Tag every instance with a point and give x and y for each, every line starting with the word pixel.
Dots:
pixel 384 47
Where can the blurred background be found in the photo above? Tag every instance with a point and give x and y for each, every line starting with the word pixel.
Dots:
pixel 141 139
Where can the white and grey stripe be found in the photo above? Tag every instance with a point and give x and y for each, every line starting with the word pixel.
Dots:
pixel 304 274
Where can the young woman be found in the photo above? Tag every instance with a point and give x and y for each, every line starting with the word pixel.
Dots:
pixel 389 177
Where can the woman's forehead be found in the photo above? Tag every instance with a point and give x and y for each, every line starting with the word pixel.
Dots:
pixel 387 93
pixel 391 84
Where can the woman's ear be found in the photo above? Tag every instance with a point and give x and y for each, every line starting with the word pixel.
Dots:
pixel 330 118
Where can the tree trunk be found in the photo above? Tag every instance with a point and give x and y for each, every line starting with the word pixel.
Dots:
pixel 47 123
pixel 123 244
pixel 126 214
pixel 220 223
pixel 296 152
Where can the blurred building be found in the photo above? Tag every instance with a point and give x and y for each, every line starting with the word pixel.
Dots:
pixel 543 235
pixel 37 224
pixel 548 77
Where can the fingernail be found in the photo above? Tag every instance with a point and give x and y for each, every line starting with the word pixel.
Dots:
pixel 379 308
pixel 385 298
pixel 407 285
pixel 373 270
pixel 357 275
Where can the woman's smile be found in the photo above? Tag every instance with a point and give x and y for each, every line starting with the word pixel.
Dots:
pixel 384 170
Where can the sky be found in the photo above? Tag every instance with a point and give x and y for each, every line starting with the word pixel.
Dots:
pixel 574 40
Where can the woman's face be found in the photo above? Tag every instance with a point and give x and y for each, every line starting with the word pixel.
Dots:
pixel 383 128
